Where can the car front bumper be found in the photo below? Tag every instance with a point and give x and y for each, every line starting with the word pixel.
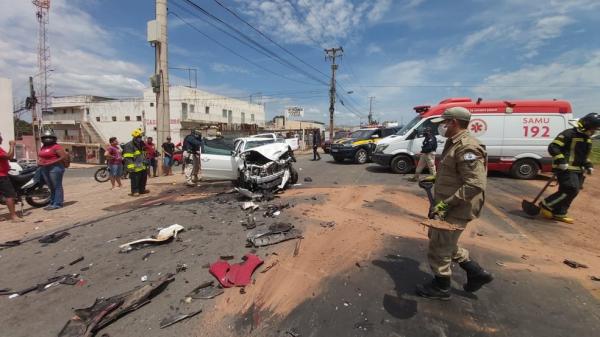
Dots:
pixel 343 152
pixel 382 158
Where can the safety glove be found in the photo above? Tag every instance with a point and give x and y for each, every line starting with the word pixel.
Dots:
pixel 440 210
pixel 563 167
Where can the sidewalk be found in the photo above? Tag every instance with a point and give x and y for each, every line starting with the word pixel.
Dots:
pixel 87 200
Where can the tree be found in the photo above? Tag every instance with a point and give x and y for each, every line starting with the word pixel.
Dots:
pixel 22 128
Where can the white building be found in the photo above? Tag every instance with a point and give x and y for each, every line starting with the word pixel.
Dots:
pixel 7 125
pixel 85 123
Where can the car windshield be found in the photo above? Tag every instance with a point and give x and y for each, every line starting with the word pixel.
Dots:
pixel 250 144
pixel 340 134
pixel 408 126
pixel 362 134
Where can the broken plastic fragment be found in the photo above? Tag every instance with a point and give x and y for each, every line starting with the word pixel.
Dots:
pixel 205 291
pixel 164 235
pixel 177 318
pixel 53 237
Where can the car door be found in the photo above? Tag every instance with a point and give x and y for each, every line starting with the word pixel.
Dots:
pixel 418 137
pixel 217 161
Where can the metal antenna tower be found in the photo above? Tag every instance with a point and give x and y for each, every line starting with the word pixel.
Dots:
pixel 42 13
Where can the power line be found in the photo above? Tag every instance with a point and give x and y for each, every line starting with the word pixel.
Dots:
pixel 272 54
pixel 268 38
pixel 234 52
pixel 475 86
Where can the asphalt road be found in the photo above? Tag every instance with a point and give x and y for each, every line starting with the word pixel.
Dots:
pixel 518 303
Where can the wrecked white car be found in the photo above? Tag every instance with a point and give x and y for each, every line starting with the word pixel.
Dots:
pixel 255 164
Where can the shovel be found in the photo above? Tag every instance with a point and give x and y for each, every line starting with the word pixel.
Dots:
pixel 427 185
pixel 531 207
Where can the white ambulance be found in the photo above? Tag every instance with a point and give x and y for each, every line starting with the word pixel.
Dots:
pixel 516 134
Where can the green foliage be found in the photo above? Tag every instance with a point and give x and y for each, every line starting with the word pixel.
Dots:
pixel 22 128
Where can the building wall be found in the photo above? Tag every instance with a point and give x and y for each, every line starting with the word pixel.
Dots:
pixel 7 125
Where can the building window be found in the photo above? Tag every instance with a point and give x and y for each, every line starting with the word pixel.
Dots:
pixel 127 118
pixel 151 104
pixel 207 110
pixel 184 111
pixel 65 111
pixel 114 118
pixel 252 117
pixel 224 113
pixel 138 118
pixel 192 108
pixel 87 111
pixel 97 119
pixel 243 118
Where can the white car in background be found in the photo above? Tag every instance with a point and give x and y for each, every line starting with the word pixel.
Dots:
pixel 292 142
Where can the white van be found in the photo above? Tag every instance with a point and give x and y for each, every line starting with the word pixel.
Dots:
pixel 516 134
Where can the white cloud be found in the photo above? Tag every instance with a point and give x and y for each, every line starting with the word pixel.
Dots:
pixel 307 21
pixel 373 48
pixel 546 28
pixel 82 57
pixel 576 82
pixel 226 68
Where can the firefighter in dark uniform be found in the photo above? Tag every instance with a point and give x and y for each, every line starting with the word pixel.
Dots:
pixel 134 158
pixel 459 195
pixel 570 151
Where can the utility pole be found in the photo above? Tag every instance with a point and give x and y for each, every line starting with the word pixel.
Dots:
pixel 371 109
pixel 31 103
pixel 163 115
pixel 331 54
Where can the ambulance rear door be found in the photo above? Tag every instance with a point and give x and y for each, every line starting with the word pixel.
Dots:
pixel 529 134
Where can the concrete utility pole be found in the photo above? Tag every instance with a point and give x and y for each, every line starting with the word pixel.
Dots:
pixel 332 54
pixel 371 109
pixel 163 115
pixel 31 103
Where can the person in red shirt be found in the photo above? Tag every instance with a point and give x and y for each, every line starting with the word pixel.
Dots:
pixel 51 159
pixel 151 155
pixel 6 188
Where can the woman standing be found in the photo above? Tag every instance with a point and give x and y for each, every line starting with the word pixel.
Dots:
pixel 151 155
pixel 51 159
pixel 115 163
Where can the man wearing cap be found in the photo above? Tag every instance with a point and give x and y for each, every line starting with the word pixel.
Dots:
pixel 459 195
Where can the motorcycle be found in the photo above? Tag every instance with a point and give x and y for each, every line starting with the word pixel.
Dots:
pixel 102 175
pixel 30 187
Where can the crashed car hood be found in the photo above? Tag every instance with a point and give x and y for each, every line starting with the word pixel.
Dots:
pixel 270 151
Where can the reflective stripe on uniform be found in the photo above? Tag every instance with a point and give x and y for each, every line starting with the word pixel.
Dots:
pixel 574 142
pixel 558 142
pixel 130 166
pixel 569 167
pixel 558 156
pixel 555 201
pixel 127 155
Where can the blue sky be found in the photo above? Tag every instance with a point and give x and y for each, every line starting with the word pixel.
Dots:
pixel 405 53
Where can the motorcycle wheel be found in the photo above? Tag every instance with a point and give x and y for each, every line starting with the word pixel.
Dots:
pixel 101 175
pixel 40 197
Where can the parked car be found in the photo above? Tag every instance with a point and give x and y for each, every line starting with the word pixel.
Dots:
pixel 326 146
pixel 292 142
pixel 360 144
pixel 516 134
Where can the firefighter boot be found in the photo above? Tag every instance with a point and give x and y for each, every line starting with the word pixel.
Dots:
pixel 438 289
pixel 545 211
pixel 476 276
pixel 563 218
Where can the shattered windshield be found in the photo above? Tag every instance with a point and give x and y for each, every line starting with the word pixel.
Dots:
pixel 408 126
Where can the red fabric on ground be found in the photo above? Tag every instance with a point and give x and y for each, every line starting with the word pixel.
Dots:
pixel 239 274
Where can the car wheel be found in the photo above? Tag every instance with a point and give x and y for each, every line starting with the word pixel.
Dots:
pixel 525 169
pixel 338 159
pixel 402 164
pixel 361 156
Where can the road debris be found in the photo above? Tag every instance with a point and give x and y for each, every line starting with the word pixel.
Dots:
pixel 249 194
pixel 500 263
pixel 181 267
pixel 297 249
pixel 163 236
pixel 68 279
pixel 77 260
pixel 249 205
pixel 269 267
pixel 574 264
pixel 329 224
pixel 177 318
pixel 308 180
pixel 88 321
pixel 293 332
pixel 144 278
pixel 11 243
pixel 205 291
pixel 227 257
pixel 274 210
pixel 53 237
pixel 250 222
pixel 235 275
pixel 147 255
pixel 275 233
pixel 595 278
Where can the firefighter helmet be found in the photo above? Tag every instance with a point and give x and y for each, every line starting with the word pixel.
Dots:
pixel 137 133
pixel 590 122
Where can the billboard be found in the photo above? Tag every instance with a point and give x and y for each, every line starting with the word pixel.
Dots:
pixel 295 111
